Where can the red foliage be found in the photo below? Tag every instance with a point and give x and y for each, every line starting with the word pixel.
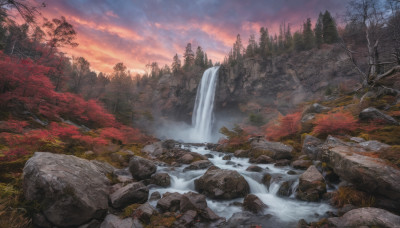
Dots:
pixel 287 125
pixel 339 122
pixel 13 125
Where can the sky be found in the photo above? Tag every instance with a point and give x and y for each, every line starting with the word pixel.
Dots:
pixel 138 32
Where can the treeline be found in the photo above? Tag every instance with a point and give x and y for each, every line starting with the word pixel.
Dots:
pixel 324 32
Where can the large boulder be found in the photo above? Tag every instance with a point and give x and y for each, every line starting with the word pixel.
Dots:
pixel 366 217
pixel 311 185
pixel 129 194
pixel 373 114
pixel 275 150
pixel 161 179
pixel 71 191
pixel 262 159
pixel 253 203
pixel 312 147
pixel 141 168
pixel 154 149
pixel 202 164
pixel 368 173
pixel 222 184
pixel 301 164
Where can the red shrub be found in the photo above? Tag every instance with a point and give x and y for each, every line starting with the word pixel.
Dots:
pixel 286 125
pixel 12 125
pixel 339 122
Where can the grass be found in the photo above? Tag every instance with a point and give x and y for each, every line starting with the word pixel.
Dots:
pixel 350 195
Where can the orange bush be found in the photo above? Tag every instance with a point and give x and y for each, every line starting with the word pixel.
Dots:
pixel 339 122
pixel 286 125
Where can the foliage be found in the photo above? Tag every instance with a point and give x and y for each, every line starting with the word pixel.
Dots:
pixel 286 125
pixel 338 122
pixel 256 119
pixel 236 138
pixel 349 195
pixel 392 154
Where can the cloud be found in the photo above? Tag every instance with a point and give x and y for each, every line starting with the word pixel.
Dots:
pixel 139 32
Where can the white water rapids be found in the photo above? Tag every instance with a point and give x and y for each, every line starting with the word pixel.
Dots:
pixel 286 211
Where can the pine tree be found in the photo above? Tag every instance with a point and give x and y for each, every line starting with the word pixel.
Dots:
pixel 308 35
pixel 318 31
pixel 298 41
pixel 199 59
pixel 188 57
pixel 252 47
pixel 238 49
pixel 176 64
pixel 288 39
pixel 264 42
pixel 330 33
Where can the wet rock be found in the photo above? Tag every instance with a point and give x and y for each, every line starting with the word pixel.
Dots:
pixel 187 219
pixel 209 155
pixel 254 168
pixel 144 212
pixel 246 219
pixel 202 164
pixel 161 179
pixel 285 189
pixel 222 184
pixel 283 162
pixel 241 153
pixel 373 114
pixel 275 150
pixel 266 180
pixel 67 197
pixel 186 159
pixel 129 194
pixel 113 221
pixel 170 202
pixel 230 163
pixel 311 185
pixel 301 164
pixel 155 196
pixel 227 157
pixel 123 175
pixel 262 159
pixel 291 172
pixel 312 147
pixel 253 203
pixel 211 146
pixel 367 216
pixel 141 168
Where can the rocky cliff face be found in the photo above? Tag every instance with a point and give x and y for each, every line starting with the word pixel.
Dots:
pixel 259 85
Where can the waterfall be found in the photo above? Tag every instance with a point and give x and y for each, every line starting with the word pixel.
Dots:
pixel 202 118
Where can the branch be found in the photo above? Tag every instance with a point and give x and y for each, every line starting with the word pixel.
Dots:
pixel 388 73
pixel 350 55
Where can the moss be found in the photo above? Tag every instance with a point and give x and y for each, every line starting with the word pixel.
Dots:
pixel 391 154
pixel 389 135
pixel 113 178
pixel 162 220
pixel 350 195
pixel 129 210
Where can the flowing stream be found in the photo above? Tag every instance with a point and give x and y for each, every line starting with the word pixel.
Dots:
pixel 286 211
pixel 202 118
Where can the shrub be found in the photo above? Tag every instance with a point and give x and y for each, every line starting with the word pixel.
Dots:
pixel 236 138
pixel 286 125
pixel 330 123
pixel 349 195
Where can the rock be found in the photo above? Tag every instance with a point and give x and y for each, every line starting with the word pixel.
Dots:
pixel 366 216
pixel 316 108
pixel 227 157
pixel 123 175
pixel 291 172
pixel 141 168
pixel 285 189
pixel 88 153
pixel 153 150
pixel 253 203
pixel 103 167
pixel 222 184
pixel 357 139
pixel 116 157
pixel 113 221
pixel 170 202
pixel 368 173
pixel 92 224
pixel 275 150
pixel 246 219
pixel 312 147
pixel 202 164
pixel 187 219
pixel 311 185
pixel 346 208
pixel 266 180
pixel 373 145
pixel 241 153
pixel 209 155
pixel 161 179
pixel 144 212
pixel 129 194
pixel 373 114
pixel 70 190
pixel 301 164
pixel 262 159
pixel 155 196
pixel 40 220
pixel 283 162
pixel 254 168
pixel 186 159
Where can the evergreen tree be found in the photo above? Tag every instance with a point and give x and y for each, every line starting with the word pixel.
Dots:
pixel 288 39
pixel 238 49
pixel 319 39
pixel 188 57
pixel 330 33
pixel 298 41
pixel 176 64
pixel 199 59
pixel 264 42
pixel 252 47
pixel 206 61
pixel 308 35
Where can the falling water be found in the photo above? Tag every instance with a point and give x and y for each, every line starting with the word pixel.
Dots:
pixel 202 118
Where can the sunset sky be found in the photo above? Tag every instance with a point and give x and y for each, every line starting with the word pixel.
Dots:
pixel 139 32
